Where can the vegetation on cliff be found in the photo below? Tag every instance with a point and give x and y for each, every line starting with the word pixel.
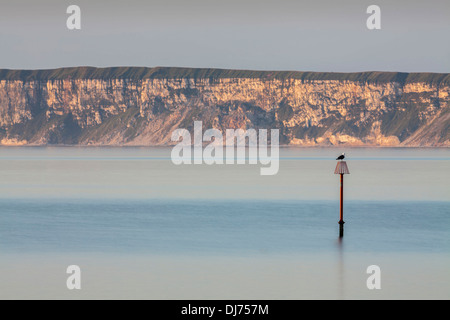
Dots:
pixel 142 73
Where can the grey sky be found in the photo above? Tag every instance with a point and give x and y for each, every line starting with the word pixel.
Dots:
pixel 321 35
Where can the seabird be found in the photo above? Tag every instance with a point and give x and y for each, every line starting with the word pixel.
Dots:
pixel 341 157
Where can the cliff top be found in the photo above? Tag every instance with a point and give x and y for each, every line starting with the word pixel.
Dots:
pixel 139 73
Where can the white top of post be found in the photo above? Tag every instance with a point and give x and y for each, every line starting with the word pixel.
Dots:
pixel 341 168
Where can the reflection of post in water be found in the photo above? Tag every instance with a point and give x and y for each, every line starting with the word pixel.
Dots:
pixel 341 169
pixel 341 281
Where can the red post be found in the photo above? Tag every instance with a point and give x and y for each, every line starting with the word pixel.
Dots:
pixel 341 216
pixel 341 169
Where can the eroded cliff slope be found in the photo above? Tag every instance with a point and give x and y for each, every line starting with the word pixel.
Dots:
pixel 142 106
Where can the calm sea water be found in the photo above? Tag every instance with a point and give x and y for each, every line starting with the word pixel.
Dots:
pixel 142 227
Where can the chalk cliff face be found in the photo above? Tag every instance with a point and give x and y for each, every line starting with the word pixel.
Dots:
pixel 141 106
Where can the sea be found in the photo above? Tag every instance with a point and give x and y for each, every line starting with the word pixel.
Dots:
pixel 139 226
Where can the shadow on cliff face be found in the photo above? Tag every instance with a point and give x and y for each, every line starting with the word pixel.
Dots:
pixel 65 131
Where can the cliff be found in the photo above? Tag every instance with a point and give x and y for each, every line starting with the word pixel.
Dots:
pixel 142 106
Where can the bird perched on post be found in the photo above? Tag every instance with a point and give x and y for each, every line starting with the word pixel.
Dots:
pixel 341 157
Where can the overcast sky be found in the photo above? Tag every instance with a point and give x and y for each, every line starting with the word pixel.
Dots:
pixel 320 35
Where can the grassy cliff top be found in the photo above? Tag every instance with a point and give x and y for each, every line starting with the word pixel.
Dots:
pixel 139 73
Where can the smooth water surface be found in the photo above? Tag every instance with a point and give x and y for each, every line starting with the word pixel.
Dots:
pixel 141 227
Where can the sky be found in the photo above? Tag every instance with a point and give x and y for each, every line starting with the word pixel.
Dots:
pixel 320 35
